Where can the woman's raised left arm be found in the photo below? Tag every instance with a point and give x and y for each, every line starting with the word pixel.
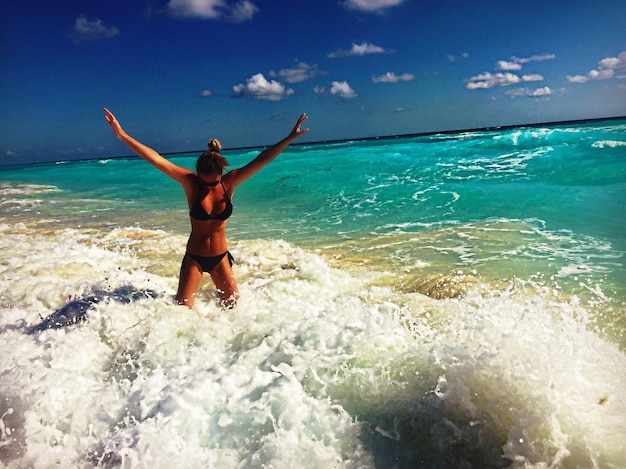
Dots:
pixel 237 176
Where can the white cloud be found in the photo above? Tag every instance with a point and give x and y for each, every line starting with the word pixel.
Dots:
pixel 606 69
pixel 343 89
pixel 85 30
pixel 490 80
pixel 337 88
pixel 536 93
pixel 612 62
pixel 371 5
pixel 533 58
pixel 515 63
pixel 602 74
pixel 454 58
pixel 545 91
pixel 532 77
pixel 359 49
pixel 391 77
pixel 205 9
pixel 508 66
pixel 259 88
pixel 301 72
pixel 243 10
pixel 577 79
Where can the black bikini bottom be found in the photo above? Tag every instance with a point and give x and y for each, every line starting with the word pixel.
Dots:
pixel 209 263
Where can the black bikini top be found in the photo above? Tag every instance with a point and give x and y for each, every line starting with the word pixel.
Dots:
pixel 199 213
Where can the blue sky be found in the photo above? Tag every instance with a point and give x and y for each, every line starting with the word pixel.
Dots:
pixel 178 72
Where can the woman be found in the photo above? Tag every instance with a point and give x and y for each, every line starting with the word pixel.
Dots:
pixel 209 194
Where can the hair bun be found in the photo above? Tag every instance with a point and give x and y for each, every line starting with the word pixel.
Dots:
pixel 215 145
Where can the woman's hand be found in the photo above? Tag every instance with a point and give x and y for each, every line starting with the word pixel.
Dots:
pixel 297 131
pixel 113 123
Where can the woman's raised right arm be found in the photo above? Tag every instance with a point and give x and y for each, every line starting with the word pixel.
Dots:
pixel 177 173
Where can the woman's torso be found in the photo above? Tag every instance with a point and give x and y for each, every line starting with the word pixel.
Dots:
pixel 209 209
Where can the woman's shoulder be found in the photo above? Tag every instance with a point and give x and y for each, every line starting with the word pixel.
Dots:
pixel 190 178
pixel 190 184
pixel 229 177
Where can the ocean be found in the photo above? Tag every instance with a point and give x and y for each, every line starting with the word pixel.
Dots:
pixel 451 300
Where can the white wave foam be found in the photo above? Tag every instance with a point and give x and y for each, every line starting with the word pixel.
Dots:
pixel 315 367
pixel 25 189
pixel 608 144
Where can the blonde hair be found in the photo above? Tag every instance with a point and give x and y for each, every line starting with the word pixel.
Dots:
pixel 215 145
pixel 211 161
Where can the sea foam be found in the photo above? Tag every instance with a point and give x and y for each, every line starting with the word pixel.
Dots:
pixel 316 366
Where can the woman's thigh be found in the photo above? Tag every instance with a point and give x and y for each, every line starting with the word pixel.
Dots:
pixel 224 280
pixel 188 282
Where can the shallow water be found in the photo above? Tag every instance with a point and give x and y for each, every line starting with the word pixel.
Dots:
pixel 448 308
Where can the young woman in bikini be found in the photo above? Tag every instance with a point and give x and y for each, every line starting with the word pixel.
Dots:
pixel 209 195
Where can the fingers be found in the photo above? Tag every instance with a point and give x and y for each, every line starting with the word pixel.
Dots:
pixel 108 115
pixel 303 117
pixel 112 121
pixel 297 128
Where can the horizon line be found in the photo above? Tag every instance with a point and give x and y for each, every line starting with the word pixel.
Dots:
pixel 342 140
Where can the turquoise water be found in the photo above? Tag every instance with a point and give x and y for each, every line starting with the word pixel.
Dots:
pixel 518 202
pixel 446 300
pixel 556 174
